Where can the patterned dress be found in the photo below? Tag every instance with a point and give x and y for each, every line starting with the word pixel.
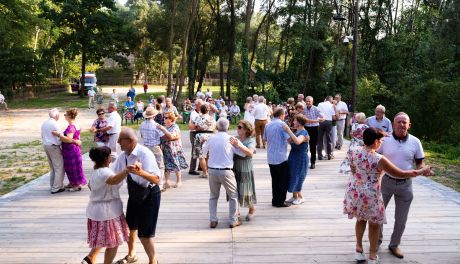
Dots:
pixel 298 163
pixel 71 154
pixel 205 123
pixel 172 151
pixel 244 174
pixel 363 197
pixel 356 141
pixel 101 137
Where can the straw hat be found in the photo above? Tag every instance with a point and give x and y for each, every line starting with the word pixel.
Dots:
pixel 150 112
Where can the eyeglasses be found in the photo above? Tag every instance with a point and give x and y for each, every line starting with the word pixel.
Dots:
pixel 239 127
pixel 166 117
pixel 100 113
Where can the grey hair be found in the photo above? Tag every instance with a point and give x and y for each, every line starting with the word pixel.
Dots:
pixel 113 104
pixel 309 97
pixel 53 113
pixel 261 99
pixel 129 133
pixel 222 124
pixel 380 107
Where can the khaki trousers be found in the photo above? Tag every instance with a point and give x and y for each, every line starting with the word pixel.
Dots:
pixel 259 127
pixel 56 162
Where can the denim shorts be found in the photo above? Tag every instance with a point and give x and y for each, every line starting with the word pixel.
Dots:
pixel 143 216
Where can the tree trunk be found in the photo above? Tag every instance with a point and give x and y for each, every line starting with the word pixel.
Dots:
pixel 256 35
pixel 284 35
pixel 83 70
pixel 231 50
pixel 180 77
pixel 170 44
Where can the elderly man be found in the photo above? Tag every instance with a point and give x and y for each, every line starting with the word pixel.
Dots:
pixel 52 146
pixel 2 101
pixel 326 109
pixel 221 148
pixel 113 128
pixel 403 150
pixel 169 107
pixel 151 135
pixel 235 112
pixel 313 118
pixel 277 155
pixel 91 96
pixel 194 115
pixel 144 193
pixel 300 99
pixel 261 112
pixel 380 121
pixel 342 109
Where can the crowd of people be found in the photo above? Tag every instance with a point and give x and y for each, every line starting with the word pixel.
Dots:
pixel 381 160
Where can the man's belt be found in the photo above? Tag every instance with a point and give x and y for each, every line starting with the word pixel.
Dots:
pixel 219 168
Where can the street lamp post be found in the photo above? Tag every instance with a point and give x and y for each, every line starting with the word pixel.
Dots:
pixel 354 56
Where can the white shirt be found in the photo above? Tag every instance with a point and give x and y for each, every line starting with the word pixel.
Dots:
pixel 114 121
pixel 144 156
pixel 2 98
pixel 327 110
pixel 199 94
pixel 104 200
pixel 140 107
pixel 114 97
pixel 193 116
pixel 220 151
pixel 402 153
pixel 48 138
pixel 234 109
pixel 261 111
pixel 91 93
pixel 342 107
pixel 208 94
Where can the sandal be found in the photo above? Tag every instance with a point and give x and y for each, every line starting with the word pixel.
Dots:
pixel 86 260
pixel 127 259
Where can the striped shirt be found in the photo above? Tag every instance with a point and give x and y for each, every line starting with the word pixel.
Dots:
pixel 312 113
pixel 276 138
pixel 150 133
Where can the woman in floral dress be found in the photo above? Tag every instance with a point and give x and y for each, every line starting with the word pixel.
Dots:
pixel 205 126
pixel 100 138
pixel 71 152
pixel 357 129
pixel 363 197
pixel 173 154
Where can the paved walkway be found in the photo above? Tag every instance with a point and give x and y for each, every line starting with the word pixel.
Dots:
pixel 36 227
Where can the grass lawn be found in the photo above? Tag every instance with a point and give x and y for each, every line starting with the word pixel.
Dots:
pixel 446 162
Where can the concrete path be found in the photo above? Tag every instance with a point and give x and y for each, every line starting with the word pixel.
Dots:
pixel 37 227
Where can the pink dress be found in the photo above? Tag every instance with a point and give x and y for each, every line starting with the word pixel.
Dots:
pixel 72 158
pixel 363 197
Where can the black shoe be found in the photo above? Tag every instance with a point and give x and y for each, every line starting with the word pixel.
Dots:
pixel 320 157
pixel 285 204
pixel 194 173
pixel 58 191
pixel 330 157
pixel 312 166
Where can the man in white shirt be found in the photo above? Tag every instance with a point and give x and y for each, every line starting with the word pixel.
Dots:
pixel 403 150
pixel 235 112
pixel 170 107
pixel 342 109
pixel 260 112
pixel 199 94
pixel 2 101
pixel 91 95
pixel 52 146
pixel 144 193
pixel 208 93
pixel 325 128
pixel 194 115
pixel 221 148
pixel 114 97
pixel 113 129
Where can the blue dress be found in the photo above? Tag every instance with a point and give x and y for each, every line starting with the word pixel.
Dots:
pixel 298 163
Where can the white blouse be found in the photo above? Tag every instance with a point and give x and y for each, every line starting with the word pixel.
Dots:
pixel 104 202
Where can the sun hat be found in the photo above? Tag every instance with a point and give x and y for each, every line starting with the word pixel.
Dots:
pixel 150 112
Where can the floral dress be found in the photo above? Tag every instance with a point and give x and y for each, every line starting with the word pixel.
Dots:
pixel 206 124
pixel 363 197
pixel 356 141
pixel 71 154
pixel 101 137
pixel 173 153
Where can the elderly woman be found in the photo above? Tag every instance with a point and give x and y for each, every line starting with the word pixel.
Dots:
pixel 357 129
pixel 248 107
pixel 205 125
pixel 159 116
pixel 298 158
pixel 173 154
pixel 363 197
pixel 139 109
pixel 71 152
pixel 243 169
pixel 100 138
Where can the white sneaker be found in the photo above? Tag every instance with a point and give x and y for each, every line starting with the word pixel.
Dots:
pixel 297 201
pixel 373 261
pixel 360 256
pixel 291 200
